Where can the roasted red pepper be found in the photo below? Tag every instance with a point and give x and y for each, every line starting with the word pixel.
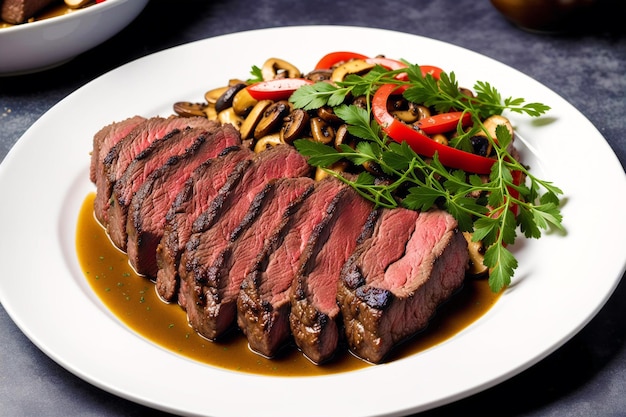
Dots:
pixel 444 122
pixel 420 143
pixel 333 58
pixel 278 89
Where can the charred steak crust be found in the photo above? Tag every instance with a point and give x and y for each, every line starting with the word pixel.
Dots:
pixel 106 138
pixel 118 158
pixel 147 161
pixel 263 304
pixel 196 196
pixel 314 316
pixel 394 281
pixel 210 244
pixel 149 206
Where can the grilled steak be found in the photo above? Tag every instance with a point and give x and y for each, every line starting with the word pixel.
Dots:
pixel 154 156
pixel 124 152
pixel 149 206
pixel 263 303
pixel 314 311
pixel 196 196
pixel 214 233
pixel 19 11
pixel 106 138
pixel 392 284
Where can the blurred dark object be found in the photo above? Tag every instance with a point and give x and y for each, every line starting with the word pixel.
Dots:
pixel 565 16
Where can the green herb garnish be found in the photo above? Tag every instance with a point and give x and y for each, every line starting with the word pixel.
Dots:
pixel 483 206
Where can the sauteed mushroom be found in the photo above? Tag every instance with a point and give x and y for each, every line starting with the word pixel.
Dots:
pixel 322 131
pixel 476 254
pixel 295 124
pixel 189 109
pixel 272 117
pixel 279 68
pixel 354 66
pixel 253 118
pixel 243 102
pixel 267 142
pixel 225 100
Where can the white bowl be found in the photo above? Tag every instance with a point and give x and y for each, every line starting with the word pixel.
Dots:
pixel 43 44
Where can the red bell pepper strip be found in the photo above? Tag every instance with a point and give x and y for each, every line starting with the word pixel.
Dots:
pixel 333 58
pixel 444 122
pixel 278 89
pixel 420 143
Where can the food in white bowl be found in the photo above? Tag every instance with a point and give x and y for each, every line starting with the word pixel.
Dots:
pixel 40 44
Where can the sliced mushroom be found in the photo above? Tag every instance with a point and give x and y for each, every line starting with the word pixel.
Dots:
pixel 76 4
pixel 279 68
pixel 210 112
pixel 492 122
pixel 343 137
pixel 440 138
pixel 328 115
pixel 319 75
pixel 189 109
pixel 272 118
pixel 267 142
pixel 229 116
pixel 211 96
pixel 322 131
pixel 294 125
pixel 355 66
pixel 243 102
pixel 253 118
pixel 225 100
pixel 339 167
pixel 476 256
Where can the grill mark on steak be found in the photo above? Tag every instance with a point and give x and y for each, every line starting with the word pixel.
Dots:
pixel 396 278
pixel 106 138
pixel 204 251
pixel 314 316
pixel 199 191
pixel 154 156
pixel 149 205
pixel 124 152
pixel 263 304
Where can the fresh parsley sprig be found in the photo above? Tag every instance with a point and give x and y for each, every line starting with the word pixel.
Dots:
pixel 484 206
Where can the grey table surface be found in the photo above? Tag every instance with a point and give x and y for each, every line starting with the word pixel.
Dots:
pixel 586 66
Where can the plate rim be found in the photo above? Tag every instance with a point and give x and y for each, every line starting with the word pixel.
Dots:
pixel 461 392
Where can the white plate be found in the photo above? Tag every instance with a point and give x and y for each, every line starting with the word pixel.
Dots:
pixel 561 283
pixel 47 43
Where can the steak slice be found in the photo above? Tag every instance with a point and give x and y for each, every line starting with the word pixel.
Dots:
pixel 392 284
pixel 149 206
pixel 217 227
pixel 19 11
pixel 148 160
pixel 124 152
pixel 263 305
pixel 106 138
pixel 195 197
pixel 314 312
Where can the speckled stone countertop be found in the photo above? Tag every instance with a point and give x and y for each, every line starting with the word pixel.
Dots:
pixel 587 66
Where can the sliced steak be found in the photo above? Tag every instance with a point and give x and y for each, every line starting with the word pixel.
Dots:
pixel 124 152
pixel 392 284
pixel 314 312
pixel 148 160
pixel 199 191
pixel 216 228
pixel 106 138
pixel 19 11
pixel 264 300
pixel 149 206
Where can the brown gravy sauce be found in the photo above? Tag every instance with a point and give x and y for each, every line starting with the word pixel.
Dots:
pixel 134 300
